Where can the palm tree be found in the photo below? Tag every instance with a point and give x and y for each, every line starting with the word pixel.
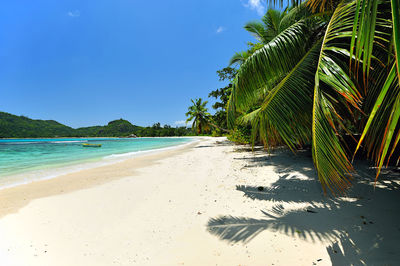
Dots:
pixel 199 114
pixel 271 25
pixel 202 119
pixel 321 72
pixel 264 31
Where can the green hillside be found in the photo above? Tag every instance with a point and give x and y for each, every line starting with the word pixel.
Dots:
pixel 13 126
pixel 88 131
pixel 118 128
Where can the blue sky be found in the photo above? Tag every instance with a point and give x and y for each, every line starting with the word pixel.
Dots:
pixel 87 62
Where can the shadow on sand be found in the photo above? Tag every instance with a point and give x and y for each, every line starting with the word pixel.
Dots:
pixel 217 143
pixel 363 228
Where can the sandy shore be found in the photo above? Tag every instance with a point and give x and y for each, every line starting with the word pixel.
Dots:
pixel 201 205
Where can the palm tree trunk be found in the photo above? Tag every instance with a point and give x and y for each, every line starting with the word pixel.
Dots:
pixel 220 128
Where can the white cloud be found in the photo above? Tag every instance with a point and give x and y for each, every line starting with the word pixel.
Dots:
pixel 181 123
pixel 257 5
pixel 75 13
pixel 220 29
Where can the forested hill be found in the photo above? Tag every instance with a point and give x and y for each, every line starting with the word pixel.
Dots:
pixel 12 126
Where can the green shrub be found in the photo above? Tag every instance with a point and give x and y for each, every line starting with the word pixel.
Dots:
pixel 241 135
pixel 217 133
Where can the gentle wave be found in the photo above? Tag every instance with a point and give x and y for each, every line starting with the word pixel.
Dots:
pixel 87 163
pixel 119 155
pixel 67 141
pixel 131 154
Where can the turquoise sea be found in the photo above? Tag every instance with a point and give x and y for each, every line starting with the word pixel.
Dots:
pixel 25 160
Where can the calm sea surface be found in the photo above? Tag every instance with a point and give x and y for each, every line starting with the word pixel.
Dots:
pixel 24 160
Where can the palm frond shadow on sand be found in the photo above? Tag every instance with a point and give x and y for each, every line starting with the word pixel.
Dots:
pixel 361 228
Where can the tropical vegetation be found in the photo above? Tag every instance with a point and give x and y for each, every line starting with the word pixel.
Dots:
pixel 270 26
pixel 221 96
pixel 323 74
pixel 12 126
pixel 198 114
pixel 331 73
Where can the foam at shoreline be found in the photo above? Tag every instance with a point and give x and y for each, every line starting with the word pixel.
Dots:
pixel 30 176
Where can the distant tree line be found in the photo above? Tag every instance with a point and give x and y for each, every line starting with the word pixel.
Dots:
pixel 12 126
pixel 166 131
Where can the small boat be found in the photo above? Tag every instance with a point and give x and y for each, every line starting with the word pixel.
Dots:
pixel 91 145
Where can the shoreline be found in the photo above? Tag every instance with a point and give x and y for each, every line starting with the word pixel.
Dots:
pixel 103 137
pixel 201 205
pixel 64 182
pixel 56 171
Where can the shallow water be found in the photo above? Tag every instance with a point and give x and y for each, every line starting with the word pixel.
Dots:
pixel 38 158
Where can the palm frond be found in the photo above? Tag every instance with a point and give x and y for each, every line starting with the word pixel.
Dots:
pixel 288 106
pixel 332 85
pixel 322 5
pixel 371 21
pixel 376 37
pixel 256 29
pixel 272 21
pixel 269 64
pixel 381 126
pixel 396 33
pixel 294 14
pixel 239 58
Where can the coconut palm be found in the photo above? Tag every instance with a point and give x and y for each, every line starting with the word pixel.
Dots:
pixel 324 70
pixel 203 121
pixel 199 114
pixel 271 25
pixel 264 31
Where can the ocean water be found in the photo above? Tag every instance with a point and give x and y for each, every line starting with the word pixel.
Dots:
pixel 25 160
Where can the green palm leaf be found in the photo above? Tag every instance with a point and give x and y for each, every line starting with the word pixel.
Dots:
pixel 377 27
pixel 267 66
pixel 272 21
pixel 380 132
pixel 256 29
pixel 332 84
pixel 396 33
pixel 239 58
pixel 287 107
pixel 293 15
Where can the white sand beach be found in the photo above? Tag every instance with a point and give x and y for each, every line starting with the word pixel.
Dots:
pixel 208 203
